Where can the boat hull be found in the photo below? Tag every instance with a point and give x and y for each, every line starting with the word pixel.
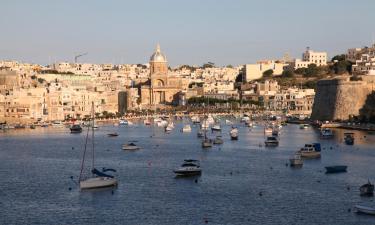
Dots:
pixel 98 182
pixel 365 209
pixel 336 169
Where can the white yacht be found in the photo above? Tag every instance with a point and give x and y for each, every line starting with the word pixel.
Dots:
pixel 190 167
pixel 186 128
pixel 310 151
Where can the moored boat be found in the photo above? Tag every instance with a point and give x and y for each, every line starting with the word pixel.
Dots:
pixel 218 140
pixel 367 189
pixel 271 141
pixel 336 169
pixel 216 127
pixel 296 160
pixel 365 209
pixel 326 133
pixel 186 128
pixel 112 134
pixel 190 167
pixel 349 138
pixel 76 128
pixel 310 151
pixel 130 146
pixel 233 133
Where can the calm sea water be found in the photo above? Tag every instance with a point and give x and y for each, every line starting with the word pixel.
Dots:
pixel 242 182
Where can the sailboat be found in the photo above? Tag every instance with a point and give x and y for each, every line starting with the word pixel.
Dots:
pixel 97 179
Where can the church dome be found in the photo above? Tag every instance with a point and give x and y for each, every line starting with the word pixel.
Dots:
pixel 158 56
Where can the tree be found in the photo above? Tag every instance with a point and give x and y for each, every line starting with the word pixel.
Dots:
pixel 229 66
pixel 268 73
pixel 312 70
pixel 300 71
pixel 338 58
pixel 287 74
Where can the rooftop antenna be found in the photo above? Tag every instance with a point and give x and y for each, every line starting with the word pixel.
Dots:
pixel 78 56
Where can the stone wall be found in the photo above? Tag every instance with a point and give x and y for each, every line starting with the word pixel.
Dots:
pixel 340 98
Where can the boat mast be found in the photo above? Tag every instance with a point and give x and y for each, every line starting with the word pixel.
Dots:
pixel 92 135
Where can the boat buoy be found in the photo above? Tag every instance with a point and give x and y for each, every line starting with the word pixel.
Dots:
pixel 286 164
pixel 318 181
pixel 70 188
pixel 72 148
pixel 348 188
pixel 196 180
pixel 112 192
pixel 260 194
pixel 349 210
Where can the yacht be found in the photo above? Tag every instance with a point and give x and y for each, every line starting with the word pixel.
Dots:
pixel 271 141
pixel 190 167
pixel 186 128
pixel 216 127
pixel 98 179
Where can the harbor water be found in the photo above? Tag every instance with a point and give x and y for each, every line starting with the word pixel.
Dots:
pixel 242 181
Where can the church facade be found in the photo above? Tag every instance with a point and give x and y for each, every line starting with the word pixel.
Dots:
pixel 161 89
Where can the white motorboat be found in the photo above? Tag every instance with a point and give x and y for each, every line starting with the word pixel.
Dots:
pixel 228 122
pixel 271 141
pixel 216 127
pixel 186 128
pixel 234 133
pixel 206 142
pixel 365 209
pixel 169 127
pixel 162 123
pixel 190 167
pixel 245 119
pixel 123 122
pixel 97 182
pixel 57 123
pixel 130 146
pixel 296 160
pixel 98 179
pixel 268 130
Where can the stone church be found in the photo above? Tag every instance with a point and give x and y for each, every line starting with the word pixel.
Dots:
pixel 161 89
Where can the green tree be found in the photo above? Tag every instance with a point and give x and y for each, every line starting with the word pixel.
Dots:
pixel 300 71
pixel 287 73
pixel 229 66
pixel 312 70
pixel 338 58
pixel 268 73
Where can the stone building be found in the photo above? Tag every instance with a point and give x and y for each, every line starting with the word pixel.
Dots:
pixel 341 98
pixel 161 88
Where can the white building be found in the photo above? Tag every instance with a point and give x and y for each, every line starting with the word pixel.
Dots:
pixel 255 71
pixel 310 57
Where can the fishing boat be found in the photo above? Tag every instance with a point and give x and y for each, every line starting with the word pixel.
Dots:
pixel 186 129
pixel 96 179
pixel 112 134
pixel 271 141
pixel 365 209
pixel 216 127
pixel 349 138
pixel 218 140
pixel 367 189
pixel 296 160
pixel 76 128
pixel 336 169
pixel 190 167
pixel 233 133
pixel 130 146
pixel 310 151
pixel 326 133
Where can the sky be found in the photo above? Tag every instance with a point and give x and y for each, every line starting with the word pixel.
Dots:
pixel 189 32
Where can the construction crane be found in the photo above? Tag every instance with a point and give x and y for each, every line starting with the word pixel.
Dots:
pixel 80 55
